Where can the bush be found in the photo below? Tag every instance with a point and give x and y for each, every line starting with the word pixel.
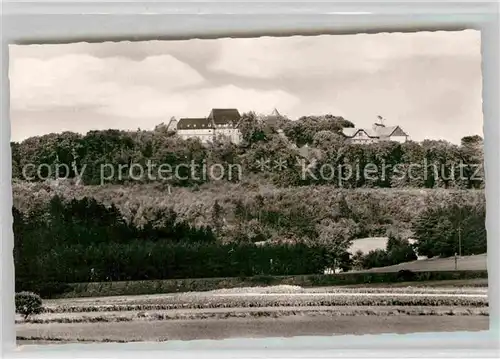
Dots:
pixel 28 303
pixel 53 289
pixel 406 275
pixel 376 258
pixel 46 290
pixel 262 279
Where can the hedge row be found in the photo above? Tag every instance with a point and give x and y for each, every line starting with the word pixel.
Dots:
pixel 98 289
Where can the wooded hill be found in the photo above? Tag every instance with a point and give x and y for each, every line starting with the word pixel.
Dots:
pixel 264 223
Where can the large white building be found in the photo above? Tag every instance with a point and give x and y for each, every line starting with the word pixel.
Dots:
pixel 220 123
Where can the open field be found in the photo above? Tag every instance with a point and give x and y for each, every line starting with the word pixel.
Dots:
pixel 475 262
pixel 366 245
pixel 261 292
pixel 361 279
pixel 249 297
pixel 258 312
pixel 454 283
pixel 243 327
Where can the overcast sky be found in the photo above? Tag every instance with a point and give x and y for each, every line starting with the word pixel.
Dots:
pixel 429 83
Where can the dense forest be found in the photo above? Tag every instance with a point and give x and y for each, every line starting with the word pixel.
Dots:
pixel 79 228
pixel 118 157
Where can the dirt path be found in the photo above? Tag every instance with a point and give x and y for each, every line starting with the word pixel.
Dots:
pixel 250 328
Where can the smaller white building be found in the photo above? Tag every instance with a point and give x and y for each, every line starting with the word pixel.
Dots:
pixel 378 132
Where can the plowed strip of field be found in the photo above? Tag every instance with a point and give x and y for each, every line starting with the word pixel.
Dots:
pixel 347 294
pixel 224 313
pixel 250 299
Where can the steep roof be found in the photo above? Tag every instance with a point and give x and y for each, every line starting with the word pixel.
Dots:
pixel 193 123
pixel 222 116
pixel 376 132
pixel 275 113
pixel 273 119
pixel 172 124
pixel 351 132
pixel 383 131
pixel 389 131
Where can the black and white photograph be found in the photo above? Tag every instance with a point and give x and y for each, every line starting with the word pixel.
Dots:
pixel 273 186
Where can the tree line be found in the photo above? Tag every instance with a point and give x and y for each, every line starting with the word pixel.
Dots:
pixel 312 142
pixel 254 212
pixel 70 240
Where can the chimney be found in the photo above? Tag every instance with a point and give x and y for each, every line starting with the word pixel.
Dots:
pixel 376 126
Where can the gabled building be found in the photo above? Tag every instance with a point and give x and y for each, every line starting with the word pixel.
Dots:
pixel 172 124
pixel 225 123
pixel 219 123
pixel 195 128
pixel 274 121
pixel 378 132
